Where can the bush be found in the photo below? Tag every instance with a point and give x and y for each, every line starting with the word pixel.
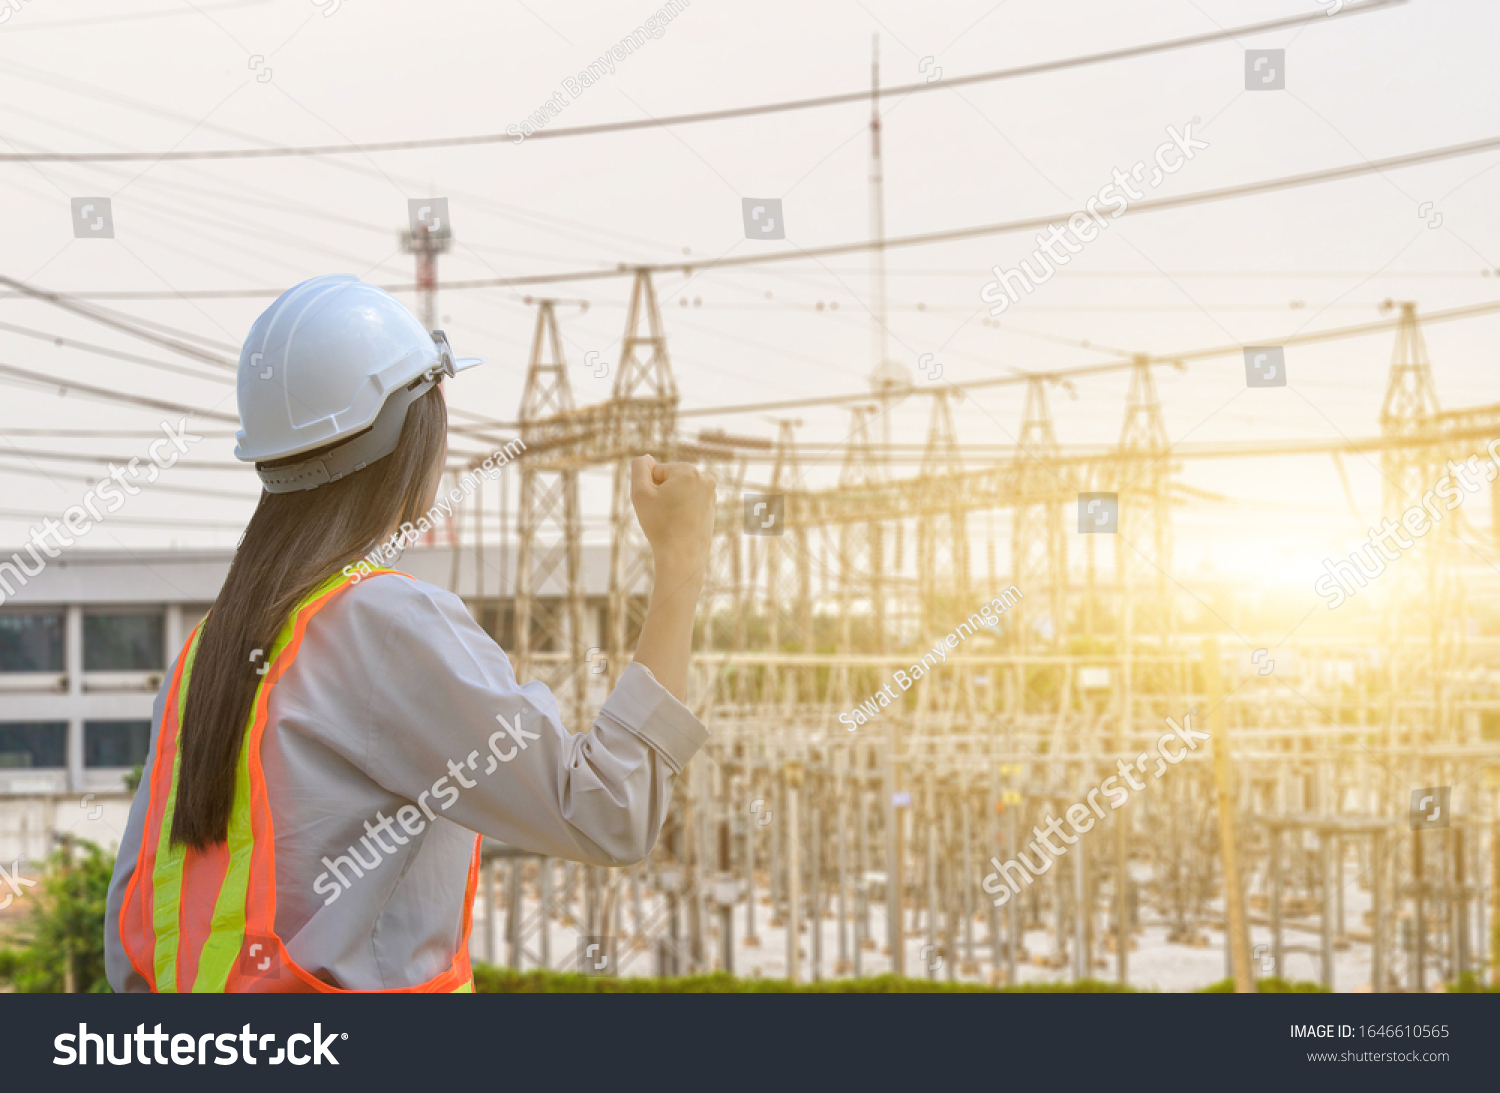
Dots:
pixel 1270 985
pixel 493 980
pixel 67 916
pixel 1471 983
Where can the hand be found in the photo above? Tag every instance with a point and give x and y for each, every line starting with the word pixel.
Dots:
pixel 675 505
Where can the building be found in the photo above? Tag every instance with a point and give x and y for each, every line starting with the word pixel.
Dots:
pixel 86 643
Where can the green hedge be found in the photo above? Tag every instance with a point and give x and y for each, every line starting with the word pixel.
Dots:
pixel 1270 985
pixel 493 980
pixel 1470 983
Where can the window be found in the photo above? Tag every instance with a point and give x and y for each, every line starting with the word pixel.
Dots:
pixel 192 615
pixel 31 643
pixel 121 641
pixel 116 743
pixel 29 744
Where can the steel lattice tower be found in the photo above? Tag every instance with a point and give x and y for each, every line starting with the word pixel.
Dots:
pixel 642 417
pixel 1038 548
pixel 549 547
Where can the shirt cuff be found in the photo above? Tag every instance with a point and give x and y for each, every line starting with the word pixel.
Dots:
pixel 647 709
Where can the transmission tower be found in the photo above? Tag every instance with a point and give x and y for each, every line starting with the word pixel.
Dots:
pixel 788 565
pixel 1038 548
pixel 943 567
pixel 1143 542
pixel 942 537
pixel 642 418
pixel 549 547
pixel 1424 600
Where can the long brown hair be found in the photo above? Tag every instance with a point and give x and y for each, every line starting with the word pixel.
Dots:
pixel 294 542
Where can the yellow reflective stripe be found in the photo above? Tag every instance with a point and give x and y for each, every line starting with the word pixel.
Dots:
pixel 227 934
pixel 467 988
pixel 166 877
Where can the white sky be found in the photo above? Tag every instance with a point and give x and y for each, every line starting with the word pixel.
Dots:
pixel 82 75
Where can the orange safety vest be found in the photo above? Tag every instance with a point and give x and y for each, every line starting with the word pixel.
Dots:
pixel 206 920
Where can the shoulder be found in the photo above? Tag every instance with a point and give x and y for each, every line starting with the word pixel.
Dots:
pixel 395 594
pixel 389 602
pixel 393 626
pixel 366 621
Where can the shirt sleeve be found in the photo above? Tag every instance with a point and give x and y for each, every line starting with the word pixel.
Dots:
pixel 447 726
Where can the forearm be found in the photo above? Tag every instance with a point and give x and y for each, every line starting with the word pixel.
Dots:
pixel 667 632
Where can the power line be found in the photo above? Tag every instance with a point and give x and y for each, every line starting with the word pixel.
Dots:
pixel 128 17
pixel 111 434
pixel 105 351
pixel 104 317
pixel 1090 453
pixel 122 521
pixel 1286 182
pixel 116 396
pixel 164 487
pixel 1060 375
pixel 189 464
pixel 24 377
pixel 622 269
pixel 90 457
pixel 708 115
pixel 479 432
pixel 114 98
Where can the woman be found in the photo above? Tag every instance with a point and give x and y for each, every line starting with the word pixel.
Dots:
pixel 332 737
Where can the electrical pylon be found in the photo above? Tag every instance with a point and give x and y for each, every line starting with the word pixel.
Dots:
pixel 860 560
pixel 1038 547
pixel 1426 600
pixel 788 582
pixel 642 418
pixel 942 537
pixel 1143 483
pixel 943 567
pixel 549 544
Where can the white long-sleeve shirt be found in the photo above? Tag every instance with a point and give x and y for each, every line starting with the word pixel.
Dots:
pixel 398 706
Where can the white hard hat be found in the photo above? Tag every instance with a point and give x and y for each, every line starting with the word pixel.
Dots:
pixel 332 358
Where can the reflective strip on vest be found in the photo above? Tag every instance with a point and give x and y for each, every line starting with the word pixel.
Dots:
pixel 204 921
